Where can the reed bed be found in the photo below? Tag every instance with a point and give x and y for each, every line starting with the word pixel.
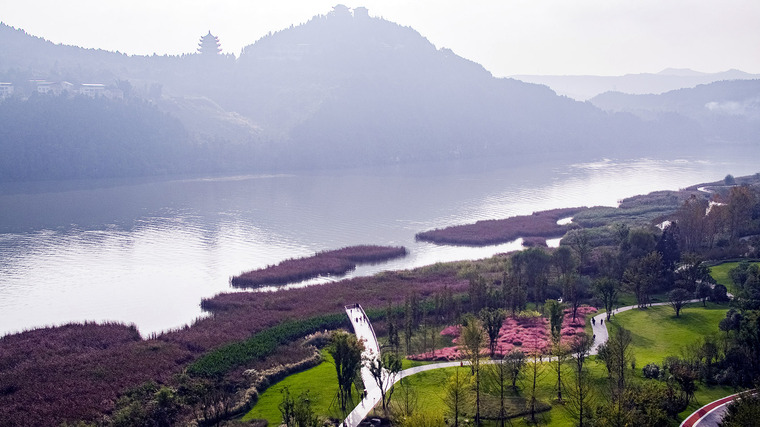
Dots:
pixel 496 231
pixel 77 372
pixel 336 262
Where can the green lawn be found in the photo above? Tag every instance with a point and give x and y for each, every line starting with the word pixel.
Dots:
pixel 720 274
pixel 322 383
pixel 429 388
pixel 658 333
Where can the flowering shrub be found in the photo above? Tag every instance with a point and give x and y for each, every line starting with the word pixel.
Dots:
pixel 528 331
pixel 570 328
pixel 451 331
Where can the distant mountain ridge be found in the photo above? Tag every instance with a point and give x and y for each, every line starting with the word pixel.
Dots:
pixel 342 90
pixel 726 110
pixel 582 87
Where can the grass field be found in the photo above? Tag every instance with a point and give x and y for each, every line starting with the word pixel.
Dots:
pixel 658 333
pixel 720 274
pixel 429 388
pixel 321 382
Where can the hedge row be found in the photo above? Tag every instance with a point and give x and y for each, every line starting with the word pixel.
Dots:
pixel 223 359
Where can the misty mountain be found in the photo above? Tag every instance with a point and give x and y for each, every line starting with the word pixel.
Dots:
pixel 586 87
pixel 344 89
pixel 341 90
pixel 728 110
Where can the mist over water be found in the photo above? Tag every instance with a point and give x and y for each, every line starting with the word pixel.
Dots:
pixel 147 251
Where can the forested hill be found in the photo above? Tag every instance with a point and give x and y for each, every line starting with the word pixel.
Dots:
pixel 344 89
pixel 62 137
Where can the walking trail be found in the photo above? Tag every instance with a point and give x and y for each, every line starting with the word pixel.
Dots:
pixel 364 332
pixel 709 415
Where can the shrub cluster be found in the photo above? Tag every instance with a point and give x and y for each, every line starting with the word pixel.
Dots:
pixel 261 380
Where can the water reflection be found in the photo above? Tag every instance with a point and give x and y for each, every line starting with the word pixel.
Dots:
pixel 147 251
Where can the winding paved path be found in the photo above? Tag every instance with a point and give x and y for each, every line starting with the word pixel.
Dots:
pixel 364 332
pixel 600 328
pixel 710 414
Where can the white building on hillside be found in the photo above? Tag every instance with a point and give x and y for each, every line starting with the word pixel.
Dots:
pixel 92 89
pixel 6 90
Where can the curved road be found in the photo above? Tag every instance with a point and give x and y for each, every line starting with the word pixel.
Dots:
pixel 364 332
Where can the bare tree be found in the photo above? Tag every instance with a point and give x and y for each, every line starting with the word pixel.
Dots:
pixel 556 312
pixel 535 370
pixel 560 353
pixel 515 363
pixel 407 404
pixel 693 223
pixel 619 357
pixel 579 401
pixel 497 378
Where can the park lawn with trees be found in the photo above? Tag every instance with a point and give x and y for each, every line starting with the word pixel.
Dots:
pixel 321 383
pixel 658 333
pixel 430 395
pixel 651 345
pixel 721 274
pixel 625 299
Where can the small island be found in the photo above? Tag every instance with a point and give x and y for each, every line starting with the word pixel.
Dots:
pixel 335 262
pixel 495 231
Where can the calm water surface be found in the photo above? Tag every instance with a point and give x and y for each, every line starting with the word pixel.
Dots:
pixel 147 251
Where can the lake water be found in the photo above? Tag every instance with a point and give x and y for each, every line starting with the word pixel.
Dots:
pixel 147 251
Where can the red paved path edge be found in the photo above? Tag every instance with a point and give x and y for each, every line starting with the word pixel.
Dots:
pixel 701 412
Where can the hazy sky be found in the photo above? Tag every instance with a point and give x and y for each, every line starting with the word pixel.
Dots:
pixel 605 37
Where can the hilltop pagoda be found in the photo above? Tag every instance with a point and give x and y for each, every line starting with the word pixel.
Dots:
pixel 209 45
